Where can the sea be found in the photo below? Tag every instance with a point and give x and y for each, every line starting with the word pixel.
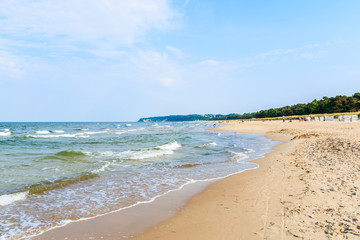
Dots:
pixel 52 174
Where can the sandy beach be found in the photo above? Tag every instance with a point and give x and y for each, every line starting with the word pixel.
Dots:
pixel 307 188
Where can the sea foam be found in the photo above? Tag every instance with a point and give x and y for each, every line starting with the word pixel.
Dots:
pixel 238 156
pixel 42 132
pixel 57 131
pixel 76 135
pixel 206 144
pixel 10 198
pixel 4 134
pixel 169 146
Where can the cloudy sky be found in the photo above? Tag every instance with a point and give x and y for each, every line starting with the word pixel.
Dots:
pixel 119 60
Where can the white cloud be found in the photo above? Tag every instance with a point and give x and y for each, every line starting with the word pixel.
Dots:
pixel 94 22
pixel 10 65
pixel 299 51
pixel 175 51
pixel 154 67
pixel 209 62
pixel 313 55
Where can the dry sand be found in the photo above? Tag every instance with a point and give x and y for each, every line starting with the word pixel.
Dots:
pixel 307 189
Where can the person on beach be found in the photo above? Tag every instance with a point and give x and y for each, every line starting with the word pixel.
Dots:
pixel 214 125
pixel 283 118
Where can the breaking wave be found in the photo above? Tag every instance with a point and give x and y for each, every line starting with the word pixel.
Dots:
pixel 4 134
pixel 206 144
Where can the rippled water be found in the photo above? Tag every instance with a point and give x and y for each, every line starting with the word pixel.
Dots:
pixel 55 173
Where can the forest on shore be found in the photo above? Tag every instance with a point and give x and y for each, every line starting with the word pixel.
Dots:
pixel 326 105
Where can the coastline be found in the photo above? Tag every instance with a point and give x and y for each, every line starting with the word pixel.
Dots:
pixel 307 188
pixel 134 220
pixel 245 205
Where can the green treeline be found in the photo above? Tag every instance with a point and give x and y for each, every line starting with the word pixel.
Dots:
pixel 338 104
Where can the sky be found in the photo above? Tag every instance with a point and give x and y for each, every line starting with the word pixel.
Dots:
pixel 120 60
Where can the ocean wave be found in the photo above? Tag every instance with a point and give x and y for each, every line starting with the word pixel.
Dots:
pixel 238 156
pixel 188 165
pixel 248 150
pixel 5 130
pixel 135 155
pixel 42 132
pixel 149 154
pixel 10 198
pixel 70 153
pixel 135 129
pixel 57 131
pixel 169 146
pixel 82 129
pixel 120 132
pixel 158 151
pixel 58 183
pixel 76 135
pixel 99 132
pixel 5 134
pixel 102 168
pixel 206 144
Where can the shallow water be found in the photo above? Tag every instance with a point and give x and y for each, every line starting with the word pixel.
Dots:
pixel 55 173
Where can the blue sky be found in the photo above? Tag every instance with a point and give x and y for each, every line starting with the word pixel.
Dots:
pixel 113 60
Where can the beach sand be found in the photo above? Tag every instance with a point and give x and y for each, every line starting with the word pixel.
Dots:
pixel 308 188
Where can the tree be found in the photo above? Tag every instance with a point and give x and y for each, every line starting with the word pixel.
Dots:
pixel 314 105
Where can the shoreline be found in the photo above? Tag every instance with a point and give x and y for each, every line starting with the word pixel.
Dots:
pixel 208 215
pixel 307 189
pixel 298 191
pixel 129 222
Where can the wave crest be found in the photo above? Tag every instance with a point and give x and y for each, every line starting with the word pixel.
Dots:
pixel 169 146
pixel 5 134
pixel 206 144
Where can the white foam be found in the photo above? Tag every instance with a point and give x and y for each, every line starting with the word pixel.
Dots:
pixel 57 131
pixel 77 135
pixel 91 133
pixel 10 198
pixel 128 125
pixel 4 134
pixel 42 132
pixel 5 130
pixel 169 146
pixel 120 132
pixel 136 155
pixel 148 154
pixel 207 144
pixel 102 168
pixel 248 150
pixel 136 129
pixel 238 156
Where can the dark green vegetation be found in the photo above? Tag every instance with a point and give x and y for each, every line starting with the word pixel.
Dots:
pixel 338 104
